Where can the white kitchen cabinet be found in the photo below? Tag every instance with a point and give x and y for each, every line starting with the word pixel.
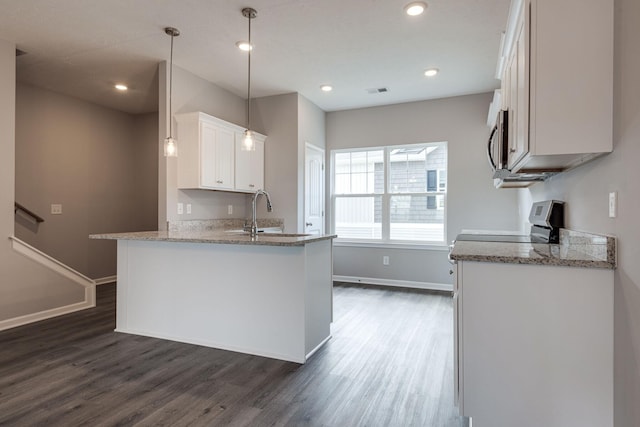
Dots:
pixel 534 345
pixel 249 168
pixel 210 157
pixel 557 82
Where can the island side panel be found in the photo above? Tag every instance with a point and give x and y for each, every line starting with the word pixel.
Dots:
pixel 235 297
pixel 319 294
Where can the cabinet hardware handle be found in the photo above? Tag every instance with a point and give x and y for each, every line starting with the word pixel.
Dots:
pixel 512 150
pixel 220 181
pixel 251 185
pixel 450 271
pixel 308 224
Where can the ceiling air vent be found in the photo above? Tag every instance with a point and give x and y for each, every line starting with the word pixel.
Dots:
pixel 378 90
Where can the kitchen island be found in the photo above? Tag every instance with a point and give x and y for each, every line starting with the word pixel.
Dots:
pixel 269 295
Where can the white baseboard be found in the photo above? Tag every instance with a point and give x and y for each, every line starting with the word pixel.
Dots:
pixel 106 280
pixel 63 270
pixel 395 283
pixel 312 352
pixel 46 314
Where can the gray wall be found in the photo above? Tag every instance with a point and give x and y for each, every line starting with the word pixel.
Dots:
pixel 472 201
pixel 288 121
pixel 278 116
pixel 25 286
pixel 192 93
pixel 586 190
pixel 97 162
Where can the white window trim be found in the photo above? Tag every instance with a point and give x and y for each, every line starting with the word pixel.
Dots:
pixel 386 242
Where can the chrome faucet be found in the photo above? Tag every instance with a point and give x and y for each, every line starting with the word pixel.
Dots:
pixel 254 222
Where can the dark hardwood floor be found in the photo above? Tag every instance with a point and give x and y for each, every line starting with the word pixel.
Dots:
pixel 389 363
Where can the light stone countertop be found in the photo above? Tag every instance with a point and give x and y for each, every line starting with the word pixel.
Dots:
pixel 576 249
pixel 217 236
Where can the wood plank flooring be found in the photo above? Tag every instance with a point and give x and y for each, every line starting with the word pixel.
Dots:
pixel 389 363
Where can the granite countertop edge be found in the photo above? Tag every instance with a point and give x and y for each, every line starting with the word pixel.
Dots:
pixel 504 259
pixel 217 237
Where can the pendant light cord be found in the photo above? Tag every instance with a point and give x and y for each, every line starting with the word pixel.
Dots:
pixel 171 89
pixel 249 80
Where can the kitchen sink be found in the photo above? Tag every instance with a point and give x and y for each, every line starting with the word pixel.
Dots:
pixel 270 230
pixel 283 235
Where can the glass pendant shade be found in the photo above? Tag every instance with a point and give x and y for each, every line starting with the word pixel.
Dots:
pixel 170 147
pixel 247 141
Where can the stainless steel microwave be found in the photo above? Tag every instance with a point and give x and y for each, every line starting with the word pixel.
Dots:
pixel 499 142
pixel 498 154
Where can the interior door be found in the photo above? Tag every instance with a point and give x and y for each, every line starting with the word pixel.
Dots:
pixel 314 190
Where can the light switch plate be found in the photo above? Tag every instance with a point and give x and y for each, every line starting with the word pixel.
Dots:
pixel 188 208
pixel 180 208
pixel 56 209
pixel 613 204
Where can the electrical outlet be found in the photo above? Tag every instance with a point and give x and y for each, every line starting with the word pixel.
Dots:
pixel 385 260
pixel 230 209
pixel 180 208
pixel 56 209
pixel 188 208
pixel 613 204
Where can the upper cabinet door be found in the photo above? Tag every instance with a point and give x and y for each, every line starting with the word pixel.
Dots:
pixel 223 159
pixel 519 88
pixel 250 165
pixel 216 157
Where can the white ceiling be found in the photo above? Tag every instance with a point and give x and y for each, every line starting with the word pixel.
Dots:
pixel 82 47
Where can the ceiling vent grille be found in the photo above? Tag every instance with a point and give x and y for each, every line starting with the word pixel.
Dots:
pixel 377 90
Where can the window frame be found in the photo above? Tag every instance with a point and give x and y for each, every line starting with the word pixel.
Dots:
pixel 386 196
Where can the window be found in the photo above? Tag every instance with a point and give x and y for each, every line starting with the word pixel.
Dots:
pixel 390 194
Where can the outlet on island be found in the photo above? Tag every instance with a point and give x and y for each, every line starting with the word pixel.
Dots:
pixel 385 260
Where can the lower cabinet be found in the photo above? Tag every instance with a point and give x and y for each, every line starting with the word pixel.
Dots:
pixel 533 345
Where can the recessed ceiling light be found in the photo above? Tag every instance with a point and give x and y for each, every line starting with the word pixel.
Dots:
pixel 244 46
pixel 431 72
pixel 416 8
pixel 326 88
pixel 121 87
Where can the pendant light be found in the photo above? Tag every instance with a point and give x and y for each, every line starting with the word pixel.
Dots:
pixel 170 144
pixel 247 141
